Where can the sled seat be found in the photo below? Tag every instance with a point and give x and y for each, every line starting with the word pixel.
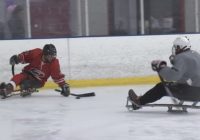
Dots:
pixel 186 93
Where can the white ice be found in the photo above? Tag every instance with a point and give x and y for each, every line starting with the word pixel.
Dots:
pixel 48 116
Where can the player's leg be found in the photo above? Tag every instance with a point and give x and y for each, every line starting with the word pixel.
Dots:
pixel 28 86
pixel 30 83
pixel 152 95
pixel 186 92
pixel 10 87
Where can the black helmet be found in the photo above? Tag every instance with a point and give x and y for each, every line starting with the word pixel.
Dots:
pixel 49 49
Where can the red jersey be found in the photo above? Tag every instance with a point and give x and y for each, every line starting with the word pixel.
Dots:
pixel 40 70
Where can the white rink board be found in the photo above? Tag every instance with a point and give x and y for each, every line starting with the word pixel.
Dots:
pixel 98 57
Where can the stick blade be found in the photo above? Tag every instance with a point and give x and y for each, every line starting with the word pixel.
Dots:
pixel 90 94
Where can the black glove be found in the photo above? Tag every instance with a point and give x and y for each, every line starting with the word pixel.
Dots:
pixel 14 60
pixel 171 59
pixel 65 90
pixel 157 65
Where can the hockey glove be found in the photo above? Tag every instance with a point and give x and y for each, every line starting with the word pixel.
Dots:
pixel 157 65
pixel 171 59
pixel 65 90
pixel 14 60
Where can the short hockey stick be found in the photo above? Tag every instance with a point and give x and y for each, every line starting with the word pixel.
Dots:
pixel 13 70
pixel 168 90
pixel 89 94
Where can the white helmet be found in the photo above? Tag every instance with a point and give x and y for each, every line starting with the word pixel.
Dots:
pixel 180 44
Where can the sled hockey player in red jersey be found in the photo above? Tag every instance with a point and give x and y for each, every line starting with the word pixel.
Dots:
pixel 183 78
pixel 42 63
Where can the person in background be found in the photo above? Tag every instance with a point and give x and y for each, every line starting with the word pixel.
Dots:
pixel 183 78
pixel 42 63
pixel 2 31
pixel 16 23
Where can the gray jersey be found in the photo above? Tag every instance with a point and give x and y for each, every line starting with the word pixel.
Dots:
pixel 186 69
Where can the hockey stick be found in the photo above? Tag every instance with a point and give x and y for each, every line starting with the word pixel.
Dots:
pixel 89 94
pixel 13 70
pixel 168 90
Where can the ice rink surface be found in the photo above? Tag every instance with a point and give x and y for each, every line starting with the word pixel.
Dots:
pixel 48 116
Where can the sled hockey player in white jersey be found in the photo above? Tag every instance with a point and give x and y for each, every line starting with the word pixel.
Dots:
pixel 181 81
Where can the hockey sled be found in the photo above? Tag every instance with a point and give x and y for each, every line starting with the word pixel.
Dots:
pixel 22 93
pixel 180 107
pixel 191 95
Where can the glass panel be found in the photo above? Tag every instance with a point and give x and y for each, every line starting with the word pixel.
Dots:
pixel 13 19
pixel 49 18
pixel 163 17
pixel 122 17
pixel 21 19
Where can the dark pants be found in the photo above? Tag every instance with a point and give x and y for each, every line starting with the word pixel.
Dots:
pixel 30 83
pixel 179 91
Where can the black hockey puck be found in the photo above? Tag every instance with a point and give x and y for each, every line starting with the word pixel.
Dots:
pixel 77 97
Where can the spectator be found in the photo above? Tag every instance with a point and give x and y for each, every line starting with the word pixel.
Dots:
pixel 15 23
pixel 2 31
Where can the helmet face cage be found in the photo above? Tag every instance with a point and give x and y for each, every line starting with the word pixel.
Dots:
pixel 174 49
